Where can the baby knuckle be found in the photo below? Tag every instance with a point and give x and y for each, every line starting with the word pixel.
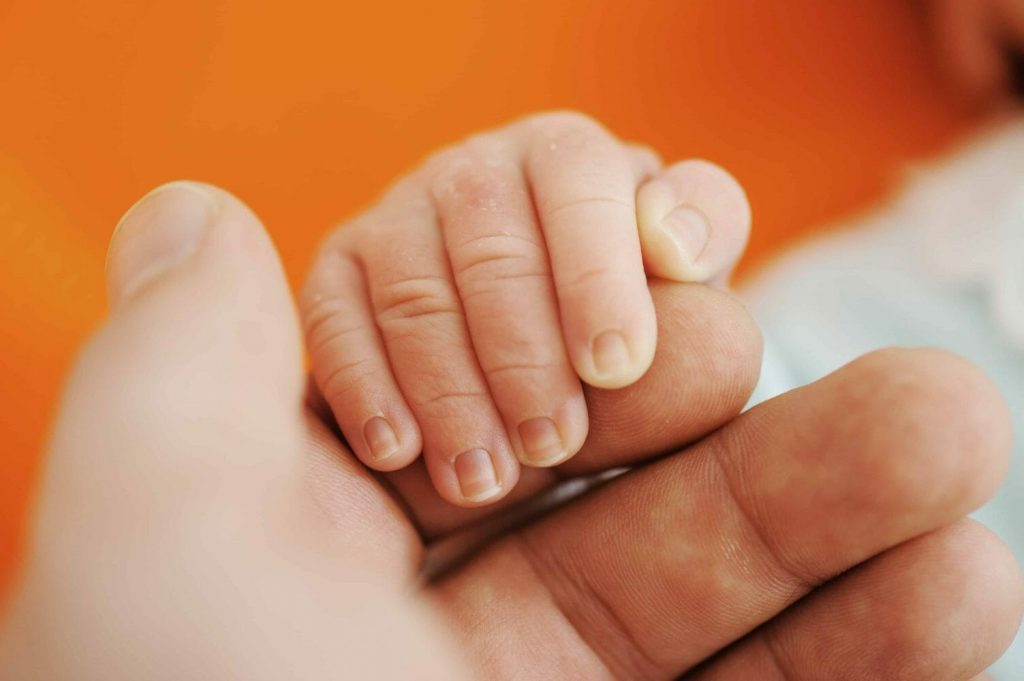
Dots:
pixel 450 163
pixel 520 370
pixel 493 144
pixel 440 399
pixel 340 242
pixel 446 158
pixel 481 185
pixel 565 121
pixel 497 289
pixel 491 256
pixel 572 134
pixel 592 279
pixel 415 297
pixel 574 207
pixel 319 311
pixel 334 332
pixel 346 379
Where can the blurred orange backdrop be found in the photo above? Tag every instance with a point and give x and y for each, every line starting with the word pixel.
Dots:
pixel 307 109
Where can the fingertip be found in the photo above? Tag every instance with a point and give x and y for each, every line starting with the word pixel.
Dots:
pixel 544 442
pixel 375 422
pixel 672 236
pixel 388 446
pixel 616 358
pixel 693 220
pixel 475 477
pixel 160 231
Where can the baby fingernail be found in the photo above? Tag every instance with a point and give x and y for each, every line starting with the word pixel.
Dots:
pixel 611 354
pixel 380 438
pixel 477 478
pixel 689 230
pixel 542 443
pixel 162 230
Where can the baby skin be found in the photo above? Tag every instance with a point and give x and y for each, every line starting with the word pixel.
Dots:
pixel 462 316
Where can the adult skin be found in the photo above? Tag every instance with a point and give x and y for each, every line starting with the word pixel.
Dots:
pixel 820 535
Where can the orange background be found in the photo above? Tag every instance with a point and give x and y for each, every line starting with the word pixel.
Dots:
pixel 306 109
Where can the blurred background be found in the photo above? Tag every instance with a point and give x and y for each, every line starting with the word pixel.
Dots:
pixel 306 110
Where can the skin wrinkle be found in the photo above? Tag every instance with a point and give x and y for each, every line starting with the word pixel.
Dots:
pixel 574 651
pixel 332 392
pixel 640 666
pixel 317 344
pixel 482 287
pixel 465 269
pixel 602 203
pixel 892 599
pixel 321 310
pixel 537 249
pixel 426 295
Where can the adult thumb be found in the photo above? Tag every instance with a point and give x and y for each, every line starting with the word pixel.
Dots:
pixel 173 537
pixel 195 379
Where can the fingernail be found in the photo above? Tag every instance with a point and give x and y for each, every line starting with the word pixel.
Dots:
pixel 689 230
pixel 477 478
pixel 380 438
pixel 162 230
pixel 542 443
pixel 611 354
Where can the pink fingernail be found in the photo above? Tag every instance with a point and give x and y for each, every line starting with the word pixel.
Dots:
pixel 611 354
pixel 690 231
pixel 478 480
pixel 542 443
pixel 380 438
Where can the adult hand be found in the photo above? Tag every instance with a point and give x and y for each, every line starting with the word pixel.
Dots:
pixel 820 535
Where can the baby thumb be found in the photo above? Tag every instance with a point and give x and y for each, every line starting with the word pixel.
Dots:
pixel 694 221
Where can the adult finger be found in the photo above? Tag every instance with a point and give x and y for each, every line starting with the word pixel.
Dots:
pixel 671 563
pixel 942 606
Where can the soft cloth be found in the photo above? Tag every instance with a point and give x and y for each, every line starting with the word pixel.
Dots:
pixel 943 265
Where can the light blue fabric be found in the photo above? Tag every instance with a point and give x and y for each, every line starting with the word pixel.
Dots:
pixel 942 266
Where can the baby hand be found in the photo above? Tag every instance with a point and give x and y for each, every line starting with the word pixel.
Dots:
pixel 459 315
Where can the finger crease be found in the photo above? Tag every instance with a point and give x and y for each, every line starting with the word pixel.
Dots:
pixel 517 367
pixel 336 373
pixel 322 312
pixel 449 396
pixel 317 344
pixel 485 238
pixel 600 201
pixel 801 580
pixel 775 654
pixel 636 663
